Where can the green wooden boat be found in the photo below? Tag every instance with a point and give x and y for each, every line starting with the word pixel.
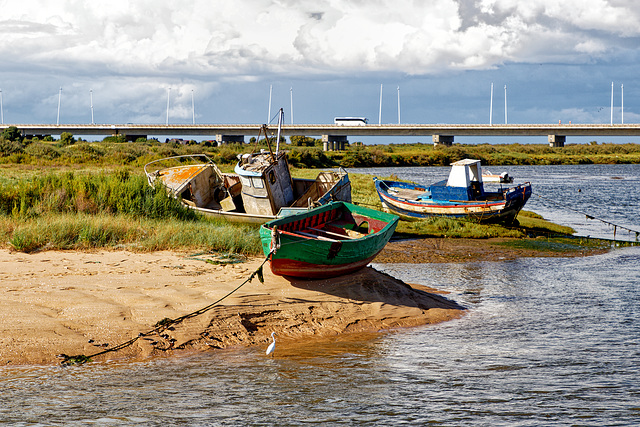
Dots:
pixel 331 240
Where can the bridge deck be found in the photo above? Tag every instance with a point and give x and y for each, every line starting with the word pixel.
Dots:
pixel 330 129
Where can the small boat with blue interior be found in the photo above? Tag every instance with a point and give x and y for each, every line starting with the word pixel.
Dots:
pixel 462 195
pixel 330 240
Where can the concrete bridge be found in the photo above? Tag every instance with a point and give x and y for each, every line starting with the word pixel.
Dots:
pixel 334 136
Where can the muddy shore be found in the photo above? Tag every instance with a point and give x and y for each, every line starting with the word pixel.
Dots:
pixel 82 303
pixel 426 250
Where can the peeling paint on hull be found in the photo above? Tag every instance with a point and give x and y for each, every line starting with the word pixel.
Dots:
pixel 482 210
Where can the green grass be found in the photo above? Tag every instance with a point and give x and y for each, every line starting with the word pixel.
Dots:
pixel 557 244
pixel 490 154
pixel 82 231
pixel 109 152
pixel 118 209
pixel 536 224
pixel 95 195
pixel 108 210
pixel 457 228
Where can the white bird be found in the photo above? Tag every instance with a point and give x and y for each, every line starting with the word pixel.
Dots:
pixel 272 346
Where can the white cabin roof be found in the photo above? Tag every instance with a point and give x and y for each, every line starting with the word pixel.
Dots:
pixel 463 172
pixel 464 162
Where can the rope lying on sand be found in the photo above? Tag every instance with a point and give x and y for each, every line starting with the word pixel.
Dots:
pixel 588 216
pixel 162 325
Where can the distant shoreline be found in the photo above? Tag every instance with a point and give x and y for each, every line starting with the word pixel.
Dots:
pixel 113 152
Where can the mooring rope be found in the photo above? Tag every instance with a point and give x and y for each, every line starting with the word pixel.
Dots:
pixel 163 324
pixel 589 216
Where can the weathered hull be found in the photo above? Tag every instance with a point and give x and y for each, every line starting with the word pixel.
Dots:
pixel 296 268
pixel 203 188
pixel 504 210
pixel 300 253
pixel 235 217
pixel 340 191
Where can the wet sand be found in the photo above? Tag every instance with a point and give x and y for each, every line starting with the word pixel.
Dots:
pixel 429 250
pixel 58 302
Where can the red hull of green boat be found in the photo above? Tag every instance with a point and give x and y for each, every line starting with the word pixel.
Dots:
pixel 293 268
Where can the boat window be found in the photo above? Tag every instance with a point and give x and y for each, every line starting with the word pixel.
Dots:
pixel 272 177
pixel 246 182
pixel 257 182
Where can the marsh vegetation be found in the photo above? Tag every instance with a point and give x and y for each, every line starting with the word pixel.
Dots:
pixel 74 194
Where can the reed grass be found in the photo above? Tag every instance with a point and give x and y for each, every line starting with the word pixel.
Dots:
pixel 69 231
pixel 118 209
pixel 117 192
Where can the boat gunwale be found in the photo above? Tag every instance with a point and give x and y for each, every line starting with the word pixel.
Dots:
pixel 511 191
pixel 193 156
pixel 381 216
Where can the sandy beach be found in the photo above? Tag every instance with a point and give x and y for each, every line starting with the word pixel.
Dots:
pixel 59 302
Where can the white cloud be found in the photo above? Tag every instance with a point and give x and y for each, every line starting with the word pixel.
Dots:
pixel 130 52
pixel 591 47
pixel 253 37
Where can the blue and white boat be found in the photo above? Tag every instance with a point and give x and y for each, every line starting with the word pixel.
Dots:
pixel 462 195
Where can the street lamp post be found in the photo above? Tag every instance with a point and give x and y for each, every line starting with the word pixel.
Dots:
pixel 193 108
pixel 269 112
pixel 59 98
pixel 621 104
pixel 380 111
pixel 611 103
pixel 91 97
pixel 168 97
pixel 491 107
pixel 398 104
pixel 291 93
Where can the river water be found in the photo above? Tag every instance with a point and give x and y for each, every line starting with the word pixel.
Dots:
pixel 546 341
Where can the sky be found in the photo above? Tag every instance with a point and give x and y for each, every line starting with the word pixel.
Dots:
pixel 327 58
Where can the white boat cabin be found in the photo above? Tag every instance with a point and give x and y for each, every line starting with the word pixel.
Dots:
pixel 464 173
pixel 464 183
pixel 266 182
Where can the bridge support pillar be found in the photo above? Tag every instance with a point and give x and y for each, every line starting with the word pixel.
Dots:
pixel 334 142
pixel 446 140
pixel 557 140
pixel 228 139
